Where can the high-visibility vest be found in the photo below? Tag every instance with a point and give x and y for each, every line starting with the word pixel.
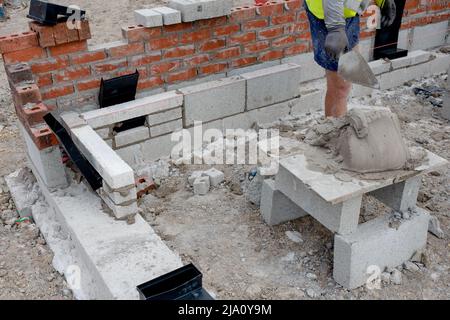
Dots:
pixel 316 8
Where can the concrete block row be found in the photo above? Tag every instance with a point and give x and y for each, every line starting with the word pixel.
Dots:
pixel 131 136
pixel 376 245
pixel 158 118
pixel 164 128
pixel 192 10
pixel 156 17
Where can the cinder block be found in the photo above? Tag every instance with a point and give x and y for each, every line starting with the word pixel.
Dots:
pixel 192 10
pixel 109 165
pixel 213 100
pixel 216 177
pixel 120 196
pixel 47 162
pixel 201 186
pixel 272 85
pixel 429 36
pixel 163 117
pixel 168 127
pixel 309 102
pixel 380 66
pixel 137 108
pixel 377 243
pixel 121 212
pixel 400 76
pixel 170 16
pixel 310 69
pixel 275 207
pixel 400 196
pixel 413 58
pixel 341 218
pixel 148 18
pixel 194 175
pixel 131 136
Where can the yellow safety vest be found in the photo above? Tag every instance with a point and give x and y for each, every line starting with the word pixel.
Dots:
pixel 316 8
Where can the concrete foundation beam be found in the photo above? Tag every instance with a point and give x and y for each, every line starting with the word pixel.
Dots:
pixel 401 196
pixel 275 207
pixel 378 243
pixel 272 85
pixel 341 218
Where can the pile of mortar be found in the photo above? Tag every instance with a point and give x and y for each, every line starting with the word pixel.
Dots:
pixel 366 140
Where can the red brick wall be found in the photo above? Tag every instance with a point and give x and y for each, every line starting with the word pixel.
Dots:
pixel 68 73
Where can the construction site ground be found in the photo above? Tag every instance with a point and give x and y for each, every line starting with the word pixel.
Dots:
pixel 222 233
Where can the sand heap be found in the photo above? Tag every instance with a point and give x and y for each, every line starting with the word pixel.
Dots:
pixel 367 140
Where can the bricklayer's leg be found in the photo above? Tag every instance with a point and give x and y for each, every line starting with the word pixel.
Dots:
pixel 400 196
pixel 276 208
pixel 341 218
pixel 377 245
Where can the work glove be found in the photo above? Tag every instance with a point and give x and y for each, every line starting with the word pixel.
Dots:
pixel 336 42
pixel 388 13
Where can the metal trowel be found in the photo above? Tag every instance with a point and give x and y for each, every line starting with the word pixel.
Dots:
pixel 352 67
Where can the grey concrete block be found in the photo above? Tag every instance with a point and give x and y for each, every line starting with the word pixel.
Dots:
pixel 148 18
pixel 309 102
pixel 131 154
pixel 47 162
pixel 201 186
pixel 272 85
pixel 120 212
pixel 377 243
pixel 120 196
pixel 413 58
pixel 157 148
pixel 401 196
pixel 400 76
pixel 131 136
pixel 196 81
pixel 275 207
pixel 72 120
pixel 163 117
pixel 170 16
pixel 341 218
pixel 168 127
pixel 380 66
pixel 310 69
pixel 192 10
pixel 429 36
pixel 104 133
pixel 216 177
pixel 213 100
pixel 194 175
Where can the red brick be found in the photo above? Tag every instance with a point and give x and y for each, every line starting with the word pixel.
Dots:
pixel 43 136
pixel 17 42
pixel 283 41
pixel 71 74
pixel 179 52
pixel 17 73
pixel 184 26
pixel 271 55
pixel 242 38
pixel 29 93
pixel 286 18
pixel 296 49
pixel 88 84
pixel 196 60
pixel 299 27
pixel 68 48
pixel 270 9
pixel 139 33
pixel 164 67
pixel 213 68
pixel 163 43
pixel 150 83
pixel 242 62
pixel 143 73
pixel 44 34
pixel 84 32
pixel 61 33
pixel 127 50
pixel 270 33
pixel 257 46
pixel 34 113
pixel 88 57
pixel 110 66
pixel 195 36
pixel 242 13
pixel 212 44
pixel 255 24
pixel 143 60
pixel 44 80
pixel 227 53
pixel 25 55
pixel 212 22
pixel 182 75
pixel 51 64
pixel 55 92
pixel 293 4
pixel 226 30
